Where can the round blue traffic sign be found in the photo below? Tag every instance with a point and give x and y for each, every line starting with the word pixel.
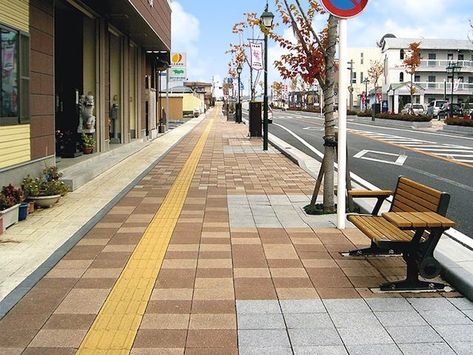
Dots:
pixel 345 8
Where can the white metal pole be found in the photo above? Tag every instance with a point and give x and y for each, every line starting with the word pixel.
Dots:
pixel 342 127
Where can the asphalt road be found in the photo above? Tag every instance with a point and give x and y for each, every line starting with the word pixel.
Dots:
pixel 381 154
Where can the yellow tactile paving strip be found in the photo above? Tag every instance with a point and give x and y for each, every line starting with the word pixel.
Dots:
pixel 117 323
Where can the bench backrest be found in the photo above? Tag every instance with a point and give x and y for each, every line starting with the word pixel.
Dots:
pixel 411 196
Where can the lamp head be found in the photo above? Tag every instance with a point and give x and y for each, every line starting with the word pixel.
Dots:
pixel 239 69
pixel 267 18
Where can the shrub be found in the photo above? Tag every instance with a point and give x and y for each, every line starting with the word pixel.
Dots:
pixel 10 196
pixel 47 184
pixel 397 117
pixel 352 113
pixel 459 122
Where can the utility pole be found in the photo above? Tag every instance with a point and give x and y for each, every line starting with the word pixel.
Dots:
pixel 451 68
pixel 350 88
pixel 366 81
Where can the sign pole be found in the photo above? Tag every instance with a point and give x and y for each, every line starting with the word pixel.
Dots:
pixel 342 126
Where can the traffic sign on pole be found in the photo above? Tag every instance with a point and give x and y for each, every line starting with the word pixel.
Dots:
pixel 345 8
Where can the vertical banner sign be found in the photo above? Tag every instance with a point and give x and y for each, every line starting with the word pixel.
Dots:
pixel 343 9
pixel 256 56
pixel 178 67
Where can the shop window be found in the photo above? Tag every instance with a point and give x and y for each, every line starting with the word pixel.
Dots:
pixel 14 79
pixel 401 77
pixel 402 54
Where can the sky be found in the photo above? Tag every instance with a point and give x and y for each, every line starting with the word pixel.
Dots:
pixel 203 28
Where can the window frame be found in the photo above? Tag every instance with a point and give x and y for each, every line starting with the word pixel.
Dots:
pixel 23 78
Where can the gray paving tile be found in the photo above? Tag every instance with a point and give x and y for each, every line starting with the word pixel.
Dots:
pixel 414 334
pixel 302 306
pixel 455 333
pixel 469 313
pixel 397 319
pixel 431 304
pixel 426 349
pixel 261 321
pixel 463 348
pixel 314 337
pixel 267 338
pixel 445 317
pixel 374 349
pixel 389 304
pixel 365 336
pixel 258 307
pixel 462 303
pixel 346 306
pixel 354 320
pixel 308 320
pixel 320 350
pixel 265 351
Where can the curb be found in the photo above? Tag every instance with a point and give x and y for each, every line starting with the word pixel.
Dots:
pixel 28 283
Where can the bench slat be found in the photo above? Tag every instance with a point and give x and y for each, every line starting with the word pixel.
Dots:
pixel 409 189
pixel 446 223
pixel 379 229
pixel 418 186
pixel 418 200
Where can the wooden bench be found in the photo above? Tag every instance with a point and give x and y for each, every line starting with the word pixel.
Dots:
pixel 412 227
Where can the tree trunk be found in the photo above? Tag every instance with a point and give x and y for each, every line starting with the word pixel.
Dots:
pixel 330 122
pixel 411 111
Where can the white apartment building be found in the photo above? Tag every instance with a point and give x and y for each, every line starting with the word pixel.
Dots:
pixel 433 80
pixel 362 59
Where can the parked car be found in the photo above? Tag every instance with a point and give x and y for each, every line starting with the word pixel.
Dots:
pixel 434 107
pixel 445 110
pixel 417 109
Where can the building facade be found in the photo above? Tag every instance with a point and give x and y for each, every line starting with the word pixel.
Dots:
pixel 433 80
pixel 58 55
pixel 361 59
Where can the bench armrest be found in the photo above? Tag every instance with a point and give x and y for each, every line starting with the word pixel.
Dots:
pixel 368 193
pixel 381 195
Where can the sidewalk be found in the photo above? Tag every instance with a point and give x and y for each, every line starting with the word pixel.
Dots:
pixel 210 253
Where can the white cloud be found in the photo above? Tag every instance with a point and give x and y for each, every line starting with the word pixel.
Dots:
pixel 185 38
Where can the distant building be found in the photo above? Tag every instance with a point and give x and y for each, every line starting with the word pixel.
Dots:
pixel 432 79
pixel 362 59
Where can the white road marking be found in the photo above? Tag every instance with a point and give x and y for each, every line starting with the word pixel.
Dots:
pixel 401 158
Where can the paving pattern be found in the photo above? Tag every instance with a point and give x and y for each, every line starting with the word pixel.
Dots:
pixel 238 275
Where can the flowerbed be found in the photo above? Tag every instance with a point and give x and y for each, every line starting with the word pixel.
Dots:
pixel 459 122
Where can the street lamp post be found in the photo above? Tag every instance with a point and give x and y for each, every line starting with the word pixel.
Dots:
pixel 366 81
pixel 451 68
pixel 239 110
pixel 267 19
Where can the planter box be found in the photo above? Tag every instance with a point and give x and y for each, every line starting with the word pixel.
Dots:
pixel 458 129
pixel 10 216
pixel 45 201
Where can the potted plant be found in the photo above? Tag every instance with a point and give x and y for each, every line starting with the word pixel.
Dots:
pixel 10 199
pixel 45 190
pixel 88 143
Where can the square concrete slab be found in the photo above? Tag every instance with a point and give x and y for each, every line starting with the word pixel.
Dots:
pixel 426 348
pixel 374 349
pixel 414 334
pixel 265 351
pixel 462 303
pixel 398 319
pixel 389 304
pixel 269 338
pixel 355 320
pixel 258 307
pixel 440 317
pixel 320 350
pixel 346 306
pixel 308 320
pixel 314 337
pixel 455 333
pixel 462 348
pixel 365 336
pixel 261 321
pixel 302 306
pixel 428 304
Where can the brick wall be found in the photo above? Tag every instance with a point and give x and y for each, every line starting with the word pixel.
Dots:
pixel 42 78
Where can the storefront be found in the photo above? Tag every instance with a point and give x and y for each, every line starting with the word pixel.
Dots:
pixel 72 68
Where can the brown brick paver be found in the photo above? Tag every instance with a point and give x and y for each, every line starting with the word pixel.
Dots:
pixel 208 265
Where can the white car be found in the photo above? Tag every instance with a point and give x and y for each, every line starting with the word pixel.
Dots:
pixel 434 108
pixel 417 109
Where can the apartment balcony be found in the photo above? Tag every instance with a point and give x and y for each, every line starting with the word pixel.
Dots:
pixel 441 87
pixel 428 65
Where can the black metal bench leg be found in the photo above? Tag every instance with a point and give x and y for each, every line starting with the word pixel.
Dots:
pixel 373 250
pixel 412 282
